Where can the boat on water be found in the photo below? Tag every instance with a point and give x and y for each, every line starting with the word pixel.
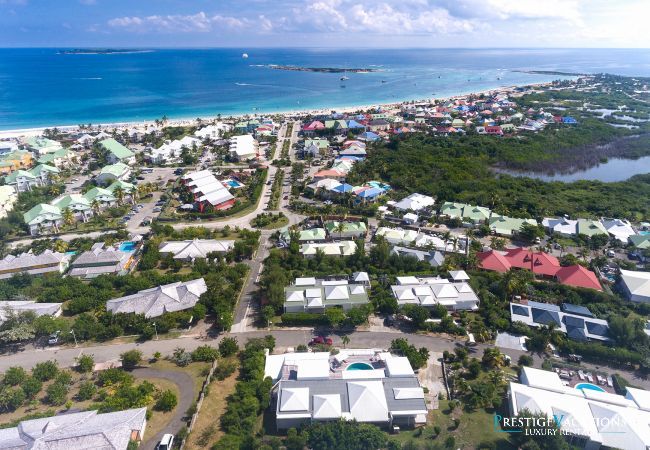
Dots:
pixel 345 78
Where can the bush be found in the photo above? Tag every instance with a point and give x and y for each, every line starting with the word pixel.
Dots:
pixel 14 376
pixel 57 394
pixel 181 357
pixel 304 319
pixel 64 377
pixel 224 369
pixel 12 398
pixel 131 359
pixel 45 371
pixel 85 363
pixel 525 360
pixel 228 346
pixel 114 376
pixel 166 402
pixel 87 390
pixel 31 386
pixel 205 353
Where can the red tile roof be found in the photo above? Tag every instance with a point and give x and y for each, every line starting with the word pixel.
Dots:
pixel 539 262
pixel 493 260
pixel 578 276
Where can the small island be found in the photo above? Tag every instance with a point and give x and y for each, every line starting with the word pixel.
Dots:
pixel 321 69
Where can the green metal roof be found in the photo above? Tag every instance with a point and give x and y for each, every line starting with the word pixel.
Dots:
pixel 76 201
pixel 126 187
pixel 117 149
pixel 41 209
pixel 96 192
pixel 590 227
pixel 11 178
pixel 348 227
pixel 507 225
pixel 116 169
pixel 38 170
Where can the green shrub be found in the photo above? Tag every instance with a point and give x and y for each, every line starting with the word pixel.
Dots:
pixel 166 402
pixel 87 390
pixel 85 363
pixel 14 376
pixel 228 346
pixel 31 386
pixel 205 353
pixel 131 359
pixel 45 371
pixel 57 394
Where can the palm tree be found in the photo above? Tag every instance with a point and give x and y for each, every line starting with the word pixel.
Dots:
pixel 345 340
pixel 68 216
pixel 119 195
pixel 95 205
pixel 340 228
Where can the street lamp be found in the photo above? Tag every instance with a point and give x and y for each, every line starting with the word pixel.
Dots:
pixel 155 329
pixel 75 337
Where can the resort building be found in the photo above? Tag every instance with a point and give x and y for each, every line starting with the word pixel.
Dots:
pixel 75 203
pixel 7 146
pixel 591 418
pixel 19 306
pixel 469 214
pixel 562 226
pixel 619 229
pixel 99 261
pixel 590 227
pixel 341 248
pixel 316 295
pixel 636 285
pixel 117 153
pixel 114 172
pixel 415 202
pixel 576 321
pixel 365 385
pixel 213 132
pixel 26 180
pixel 433 257
pixel 508 226
pixel 195 248
pixel 8 198
pixel 59 159
pixel 78 430
pixel 309 235
pixel 243 148
pixel 207 190
pixel 15 160
pixel 346 230
pixel 32 264
pixel 157 301
pixel 43 218
pixel 42 146
pixel 171 151
pixel 432 291
pixel 413 238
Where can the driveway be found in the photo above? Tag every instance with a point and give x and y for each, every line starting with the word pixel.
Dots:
pixel 186 397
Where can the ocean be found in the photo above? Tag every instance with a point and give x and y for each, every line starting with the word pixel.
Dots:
pixel 41 87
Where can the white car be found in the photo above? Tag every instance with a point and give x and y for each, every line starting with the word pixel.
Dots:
pixel 166 442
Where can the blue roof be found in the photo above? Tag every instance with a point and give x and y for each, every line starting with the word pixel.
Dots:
pixel 597 328
pixel 572 321
pixel 546 317
pixel 378 185
pixel 576 309
pixel 546 306
pixel 343 188
pixel 370 193
pixel 520 310
pixel 370 136
pixel 354 124
pixel 569 119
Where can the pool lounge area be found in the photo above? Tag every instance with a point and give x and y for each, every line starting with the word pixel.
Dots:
pixel 127 246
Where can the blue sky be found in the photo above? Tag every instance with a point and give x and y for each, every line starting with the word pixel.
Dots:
pixel 325 23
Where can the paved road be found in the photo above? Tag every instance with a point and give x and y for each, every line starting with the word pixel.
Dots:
pixel 186 397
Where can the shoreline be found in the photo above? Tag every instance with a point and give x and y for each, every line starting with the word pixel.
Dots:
pixel 184 121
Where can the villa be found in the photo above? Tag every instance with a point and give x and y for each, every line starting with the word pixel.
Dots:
pixel 117 153
pixel 207 190
pixel 26 180
pixel 213 132
pixel 243 148
pixel 562 226
pixel 196 248
pixel 433 257
pixel 365 385
pixel 341 248
pixel 159 300
pixel 469 214
pixel 99 261
pixel 415 202
pixel 431 291
pixel 20 306
pixel 78 430
pixel 46 262
pixel 346 230
pixel 41 146
pixel 43 217
pixel 315 295
pixel 15 160
pixel 591 418
pixel 619 229
pixel 59 159
pixel 577 322
pixel 508 226
pixel 413 238
pixel 590 227
pixel 171 151
pixel 636 285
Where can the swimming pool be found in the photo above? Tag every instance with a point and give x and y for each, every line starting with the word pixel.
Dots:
pixel 591 387
pixel 360 366
pixel 127 246
pixel 233 184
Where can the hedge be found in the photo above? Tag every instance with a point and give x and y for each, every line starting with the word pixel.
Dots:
pixel 303 319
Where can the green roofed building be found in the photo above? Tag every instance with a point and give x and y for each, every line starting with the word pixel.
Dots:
pixel 42 146
pixel 25 180
pixel 59 158
pixel 43 217
pixel 312 235
pixel 346 229
pixel 126 187
pixel 468 213
pixel 117 152
pixel 508 226
pixel 590 227
pixel 641 241
pixel 118 171
pixel 452 209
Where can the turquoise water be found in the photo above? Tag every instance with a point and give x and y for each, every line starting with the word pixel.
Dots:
pixel 39 87
pixel 644 233
pixel 233 183
pixel 360 366
pixel 127 246
pixel 591 387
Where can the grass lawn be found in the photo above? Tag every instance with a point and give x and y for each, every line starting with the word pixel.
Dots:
pixel 214 405
pixel 160 419
pixel 195 370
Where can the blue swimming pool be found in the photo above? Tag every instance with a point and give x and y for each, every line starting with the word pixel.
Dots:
pixel 360 366
pixel 233 184
pixel 591 387
pixel 127 246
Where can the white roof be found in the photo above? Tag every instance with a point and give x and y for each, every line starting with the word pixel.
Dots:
pixel 195 248
pixel 360 277
pixel 327 406
pixel 415 202
pixel 305 281
pixel 640 397
pixel 408 393
pixel 543 379
pixel 294 399
pixel 411 217
pixel 398 366
pixel 313 370
pixel 367 401
pixel 336 292
pixel 620 229
pixel 637 283
pixel 273 364
pixel 407 280
pixel 459 275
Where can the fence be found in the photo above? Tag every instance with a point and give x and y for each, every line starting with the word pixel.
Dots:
pixel 199 403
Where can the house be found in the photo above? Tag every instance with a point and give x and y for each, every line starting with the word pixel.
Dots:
pixel 353 151
pixel 59 159
pixel 432 291
pixel 317 387
pixel 46 262
pixel 76 203
pixel 590 227
pixel 322 146
pixel 117 153
pixel 16 160
pixel 341 230
pixel 159 300
pixel 25 180
pixel 576 326
pixel 540 263
pixel 640 241
pixel 171 151
pixel 562 226
pixel 8 198
pixel 243 148
pixel 189 250
pixel 378 125
pixel 213 132
pixel 77 431
pixel 578 276
pixel 311 128
pixel 587 418
pixel 493 260
pixel 508 226
pixel 619 229
pixel 415 202
pixel 469 214
pixel 104 197
pixel 410 218
pixel 412 238
pixel 20 306
pixel 7 146
pixel 43 217
pixel 41 146
pixel 207 190
pixel 100 261
pixel 114 172
pixel 636 285
pixel 308 235
pixel 341 248
pixel 316 295
pixel 433 257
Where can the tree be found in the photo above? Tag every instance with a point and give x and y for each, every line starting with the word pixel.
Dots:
pixel 346 340
pixel 119 195
pixel 530 232
pixel 14 376
pixel 87 390
pixel 57 394
pixel 31 386
pixel 131 359
pixel 45 371
pixel 344 435
pixel 85 363
pixel 492 358
pixel 267 313
pixel 167 401
pixel 68 216
pixel 228 346
pixel 335 316
pixel 295 440
pixel 417 313
pixel 525 360
pixel 205 353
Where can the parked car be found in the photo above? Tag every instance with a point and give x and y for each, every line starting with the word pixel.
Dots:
pixel 157 209
pixel 166 443
pixel 54 338
pixel 139 177
pixel 318 340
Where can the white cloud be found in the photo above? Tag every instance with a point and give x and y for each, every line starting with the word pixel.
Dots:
pixel 194 23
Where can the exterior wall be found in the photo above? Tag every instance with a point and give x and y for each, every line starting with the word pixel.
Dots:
pixel 285 424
